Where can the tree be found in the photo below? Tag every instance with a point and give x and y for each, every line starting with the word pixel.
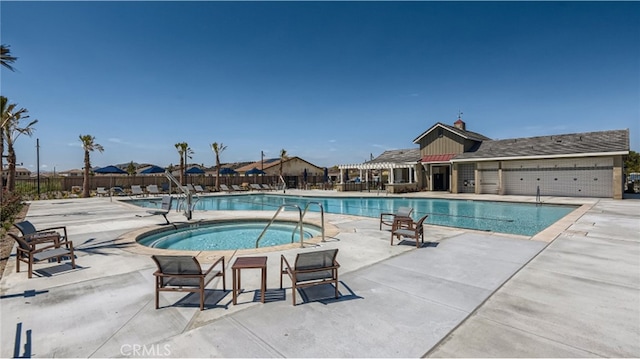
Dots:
pixel 218 149
pixel 632 162
pixel 5 57
pixel 88 145
pixel 11 130
pixel 185 153
pixel 131 169
pixel 283 157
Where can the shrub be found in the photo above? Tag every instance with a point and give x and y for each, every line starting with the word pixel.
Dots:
pixel 10 207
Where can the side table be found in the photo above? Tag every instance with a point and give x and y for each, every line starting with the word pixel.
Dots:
pixel 249 263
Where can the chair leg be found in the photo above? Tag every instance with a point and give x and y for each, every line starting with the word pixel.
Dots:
pixel 293 292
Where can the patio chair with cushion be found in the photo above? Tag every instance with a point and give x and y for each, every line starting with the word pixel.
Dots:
pixel 403 213
pixel 311 268
pixel 27 252
pixel 225 188
pixel 102 192
pixel 414 230
pixel 184 274
pixel 165 207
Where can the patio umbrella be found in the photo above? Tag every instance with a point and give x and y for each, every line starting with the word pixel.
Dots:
pixel 110 170
pixel 326 175
pixel 304 175
pixel 153 169
pixel 227 171
pixel 194 171
pixel 255 171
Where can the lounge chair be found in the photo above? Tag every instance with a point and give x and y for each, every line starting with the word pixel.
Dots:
pixel 255 186
pixel 29 232
pixel 266 187
pixel 224 187
pixel 311 268
pixel 415 230
pixel 190 188
pixel 102 192
pixel 237 188
pixel 118 191
pixel 136 190
pixel 164 208
pixel 184 274
pixel 152 189
pixel 403 213
pixel 166 187
pixel 27 252
pixel 198 188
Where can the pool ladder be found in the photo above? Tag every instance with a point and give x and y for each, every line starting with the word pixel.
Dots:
pixel 301 215
pixel 186 199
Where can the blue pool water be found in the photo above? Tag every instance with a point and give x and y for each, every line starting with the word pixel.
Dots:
pixel 503 217
pixel 228 235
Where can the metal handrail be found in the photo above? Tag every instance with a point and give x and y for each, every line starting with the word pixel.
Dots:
pixel 306 208
pixel 185 191
pixel 294 230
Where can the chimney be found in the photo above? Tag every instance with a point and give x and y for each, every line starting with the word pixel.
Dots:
pixel 460 124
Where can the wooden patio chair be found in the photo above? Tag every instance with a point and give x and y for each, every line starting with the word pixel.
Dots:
pixel 184 274
pixel 28 252
pixel 311 268
pixel 414 230
pixel 389 218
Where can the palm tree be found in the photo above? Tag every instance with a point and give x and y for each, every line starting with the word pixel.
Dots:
pixel 4 113
pixel 283 157
pixel 5 57
pixel 11 130
pixel 89 145
pixel 218 149
pixel 185 152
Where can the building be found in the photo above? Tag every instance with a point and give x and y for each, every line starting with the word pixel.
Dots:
pixel 454 159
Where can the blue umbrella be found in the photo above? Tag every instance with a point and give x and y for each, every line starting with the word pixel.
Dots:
pixel 326 175
pixel 194 171
pixel 304 175
pixel 153 169
pixel 227 171
pixel 254 171
pixel 110 170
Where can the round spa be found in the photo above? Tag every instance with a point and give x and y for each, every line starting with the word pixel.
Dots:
pixel 227 235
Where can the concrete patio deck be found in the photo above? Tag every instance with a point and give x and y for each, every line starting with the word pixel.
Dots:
pixel 572 291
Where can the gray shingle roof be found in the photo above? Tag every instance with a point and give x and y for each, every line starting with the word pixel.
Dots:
pixel 398 156
pixel 553 145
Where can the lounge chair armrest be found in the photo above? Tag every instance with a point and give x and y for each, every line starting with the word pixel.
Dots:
pixel 283 261
pixel 41 249
pixel 218 261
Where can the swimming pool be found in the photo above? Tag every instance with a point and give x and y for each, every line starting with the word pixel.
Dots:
pixel 226 235
pixel 503 217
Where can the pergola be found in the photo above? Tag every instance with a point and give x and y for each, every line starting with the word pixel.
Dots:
pixel 390 166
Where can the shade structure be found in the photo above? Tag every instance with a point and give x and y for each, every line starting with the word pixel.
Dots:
pixel 227 171
pixel 255 171
pixel 153 169
pixel 194 171
pixel 110 170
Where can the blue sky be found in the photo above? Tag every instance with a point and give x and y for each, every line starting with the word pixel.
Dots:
pixel 331 82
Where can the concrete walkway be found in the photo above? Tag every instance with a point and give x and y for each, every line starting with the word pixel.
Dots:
pixel 464 294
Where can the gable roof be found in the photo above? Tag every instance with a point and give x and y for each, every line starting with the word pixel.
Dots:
pixel 398 156
pixel 566 145
pixel 469 135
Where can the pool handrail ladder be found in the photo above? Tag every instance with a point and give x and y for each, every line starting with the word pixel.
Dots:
pixel 188 197
pixel 306 208
pixel 283 206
